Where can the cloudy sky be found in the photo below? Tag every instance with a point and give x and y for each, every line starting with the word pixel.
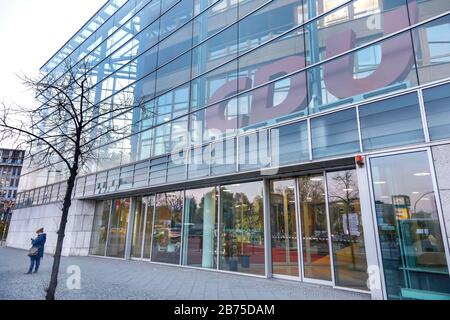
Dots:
pixel 31 31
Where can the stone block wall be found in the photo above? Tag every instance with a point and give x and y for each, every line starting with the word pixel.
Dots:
pixel 25 222
pixel 441 158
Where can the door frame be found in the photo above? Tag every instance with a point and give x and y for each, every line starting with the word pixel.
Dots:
pixel 298 209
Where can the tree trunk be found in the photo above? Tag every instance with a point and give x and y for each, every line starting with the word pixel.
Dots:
pixel 51 290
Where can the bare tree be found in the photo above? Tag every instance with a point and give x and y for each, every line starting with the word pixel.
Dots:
pixel 64 130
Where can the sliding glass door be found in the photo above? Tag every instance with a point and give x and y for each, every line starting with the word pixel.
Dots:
pixel 242 228
pixel 315 234
pixel 347 234
pixel 167 228
pixel 118 228
pixel 200 228
pixel 283 221
pixel 143 228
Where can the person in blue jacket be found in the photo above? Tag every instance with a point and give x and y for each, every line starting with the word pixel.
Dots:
pixel 39 243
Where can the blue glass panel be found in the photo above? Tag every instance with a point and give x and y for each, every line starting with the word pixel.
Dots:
pixel 392 122
pixel 432 48
pixel 335 134
pixel 437 106
pixel 290 144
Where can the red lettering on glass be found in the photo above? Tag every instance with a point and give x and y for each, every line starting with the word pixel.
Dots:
pixel 396 59
pixel 263 98
pixel 216 115
pixel 396 62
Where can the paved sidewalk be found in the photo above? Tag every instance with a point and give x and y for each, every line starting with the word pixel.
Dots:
pixel 104 279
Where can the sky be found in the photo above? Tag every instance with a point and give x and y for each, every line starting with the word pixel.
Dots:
pixel 31 31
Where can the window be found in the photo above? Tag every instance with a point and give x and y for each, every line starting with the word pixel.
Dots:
pixel 316 247
pixel 392 122
pixel 381 68
pixel 347 234
pixel 208 88
pixel 254 151
pixel 118 228
pixel 267 22
pixel 167 228
pixel 210 23
pixel 432 47
pixel 176 16
pixel 283 218
pixel 174 74
pixel 335 134
pixel 412 248
pixel 199 163
pixel 215 51
pixel 290 144
pixel 172 104
pixel 200 228
pixel 242 228
pixel 174 45
pixel 367 19
pixel 138 229
pixel 437 106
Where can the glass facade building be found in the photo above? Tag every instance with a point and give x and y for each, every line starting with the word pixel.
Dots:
pixel 240 151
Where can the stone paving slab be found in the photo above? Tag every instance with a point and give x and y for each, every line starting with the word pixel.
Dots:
pixel 107 279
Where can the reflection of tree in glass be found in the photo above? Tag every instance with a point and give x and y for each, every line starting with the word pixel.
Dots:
pixel 242 221
pixel 313 193
pixel 343 196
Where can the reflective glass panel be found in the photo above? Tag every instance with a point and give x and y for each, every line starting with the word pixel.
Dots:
pixel 118 228
pixel 432 48
pixel 349 252
pixel 242 228
pixel 335 134
pixel 392 122
pixel 138 229
pixel 283 220
pixel 150 203
pixel 412 249
pixel 290 144
pixel 316 248
pixel 437 106
pixel 381 68
pixel 200 228
pixel 167 228
pixel 100 229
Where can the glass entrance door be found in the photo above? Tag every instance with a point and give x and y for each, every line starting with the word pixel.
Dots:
pixel 283 219
pixel 315 232
pixel 347 234
pixel 331 238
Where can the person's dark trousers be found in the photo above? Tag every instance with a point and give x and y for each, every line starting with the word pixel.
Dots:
pixel 35 262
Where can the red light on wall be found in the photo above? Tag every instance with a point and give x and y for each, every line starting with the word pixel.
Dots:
pixel 359 161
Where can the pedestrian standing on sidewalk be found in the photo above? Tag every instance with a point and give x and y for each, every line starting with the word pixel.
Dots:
pixel 36 252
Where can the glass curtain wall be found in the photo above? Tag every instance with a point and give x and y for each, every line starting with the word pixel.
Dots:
pixel 412 248
pixel 200 228
pixel 316 248
pixel 349 254
pixel 167 228
pixel 284 228
pixel 242 228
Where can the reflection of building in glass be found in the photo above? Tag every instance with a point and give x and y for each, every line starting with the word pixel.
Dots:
pixel 11 162
pixel 240 150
